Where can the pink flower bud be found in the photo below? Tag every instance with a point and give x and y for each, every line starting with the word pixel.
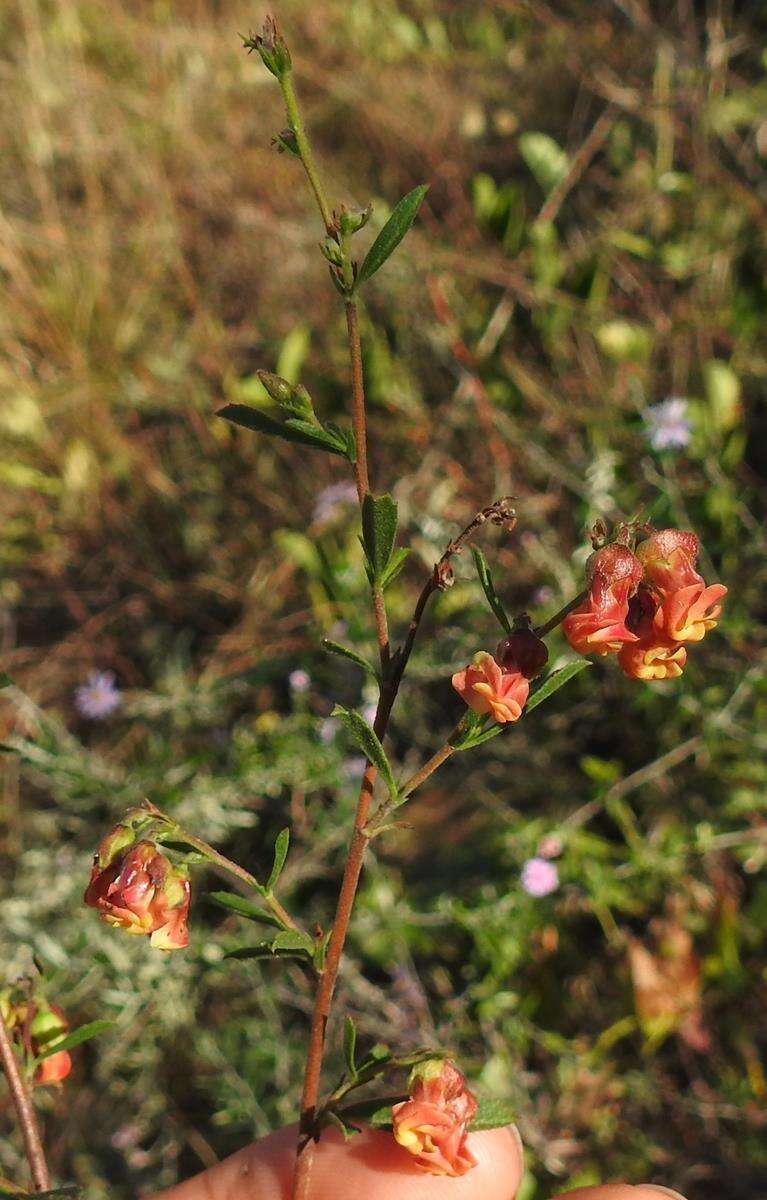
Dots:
pixel 142 892
pixel 487 688
pixel 432 1124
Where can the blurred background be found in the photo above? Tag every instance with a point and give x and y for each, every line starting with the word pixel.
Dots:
pixel 578 319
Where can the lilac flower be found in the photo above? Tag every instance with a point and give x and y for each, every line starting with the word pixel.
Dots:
pixel 353 768
pixel 369 712
pixel 539 877
pixel 99 696
pixel 668 426
pixel 329 501
pixel 299 680
pixel 328 728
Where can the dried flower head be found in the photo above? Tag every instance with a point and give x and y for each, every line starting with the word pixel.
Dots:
pixel 139 890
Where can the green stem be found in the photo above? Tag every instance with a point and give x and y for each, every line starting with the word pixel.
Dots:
pixel 304 149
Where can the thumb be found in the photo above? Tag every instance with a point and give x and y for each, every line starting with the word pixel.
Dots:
pixel 621 1191
pixel 370 1166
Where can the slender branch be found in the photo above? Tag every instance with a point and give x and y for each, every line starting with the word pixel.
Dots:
pixel 229 866
pixel 304 149
pixel 25 1112
pixel 558 617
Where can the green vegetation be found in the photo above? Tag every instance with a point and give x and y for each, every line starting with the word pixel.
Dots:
pixel 591 243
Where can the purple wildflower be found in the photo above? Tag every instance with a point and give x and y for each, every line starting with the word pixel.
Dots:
pixel 98 697
pixel 539 877
pixel 299 680
pixel 667 423
pixel 330 500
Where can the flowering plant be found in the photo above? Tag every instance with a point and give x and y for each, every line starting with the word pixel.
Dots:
pixel 643 602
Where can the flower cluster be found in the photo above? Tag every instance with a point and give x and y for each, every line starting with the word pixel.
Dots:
pixel 37 1026
pixel 432 1124
pixel 136 887
pixel 499 685
pixel 645 606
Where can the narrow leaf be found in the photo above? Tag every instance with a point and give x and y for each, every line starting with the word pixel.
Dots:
pixel 243 907
pixel 352 655
pixel 554 681
pixel 402 217
pixel 368 742
pixel 263 951
pixel 75 1038
pixel 350 1045
pixel 280 854
pixel 491 1114
pixel 379 529
pixel 488 587
pixel 396 564
pixel 291 430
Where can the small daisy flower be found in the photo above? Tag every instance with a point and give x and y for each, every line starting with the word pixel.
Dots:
pixel 539 877
pixel 299 680
pixel 668 426
pixel 98 697
pixel 331 499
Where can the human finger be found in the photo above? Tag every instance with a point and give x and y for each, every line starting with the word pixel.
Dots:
pixel 370 1166
pixel 620 1191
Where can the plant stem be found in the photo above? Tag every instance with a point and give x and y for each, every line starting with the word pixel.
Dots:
pixel 233 868
pixel 304 149
pixel 25 1112
pixel 558 617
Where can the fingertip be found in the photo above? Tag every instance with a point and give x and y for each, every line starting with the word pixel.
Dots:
pixel 620 1191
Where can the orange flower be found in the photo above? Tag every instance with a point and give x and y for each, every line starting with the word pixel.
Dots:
pixel 653 655
pixel 140 891
pixel 687 609
pixel 432 1124
pixel 598 625
pixel 488 688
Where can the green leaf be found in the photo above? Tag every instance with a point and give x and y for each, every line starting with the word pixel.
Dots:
pixel 554 681
pixel 292 430
pixel 243 907
pixel 379 529
pixel 75 1038
pixel 280 854
pixel 375 1112
pixel 488 587
pixel 545 158
pixel 391 235
pixel 293 939
pixel 368 742
pixel 491 1114
pixel 350 1046
pixel 352 655
pixel 396 564
pixel 5 680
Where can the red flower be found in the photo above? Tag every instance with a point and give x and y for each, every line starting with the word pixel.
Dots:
pixel 598 625
pixel 687 608
pixel 432 1124
pixel 141 891
pixel 488 688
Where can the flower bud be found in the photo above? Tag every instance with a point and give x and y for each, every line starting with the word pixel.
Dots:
pixel 292 396
pixel 432 1124
pixel 272 47
pixel 489 689
pixel 48 1027
pixel 522 650
pixel 143 893
pixel 351 220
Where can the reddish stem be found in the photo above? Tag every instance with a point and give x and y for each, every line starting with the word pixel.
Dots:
pixel 25 1112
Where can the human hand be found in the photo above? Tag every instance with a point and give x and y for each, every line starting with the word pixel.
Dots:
pixel 371 1166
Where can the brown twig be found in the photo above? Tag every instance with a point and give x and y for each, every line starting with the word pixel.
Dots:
pixel 25 1112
